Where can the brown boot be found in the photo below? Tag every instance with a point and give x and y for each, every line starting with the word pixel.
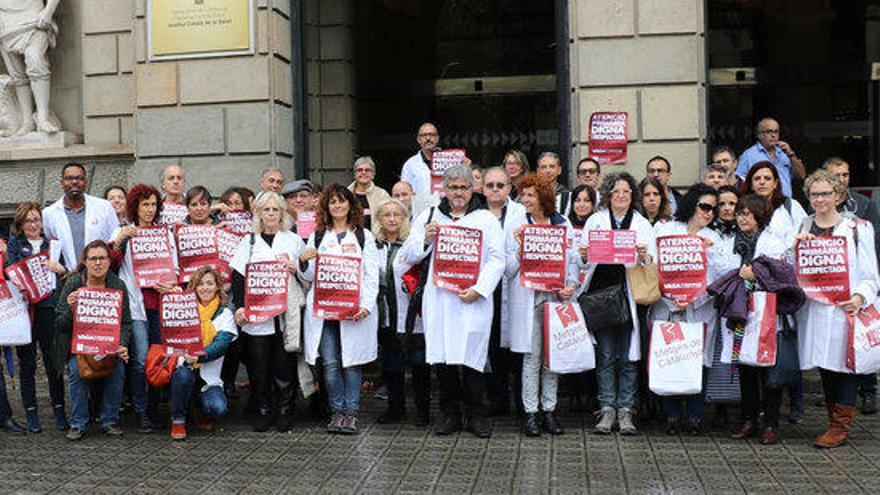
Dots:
pixel 838 430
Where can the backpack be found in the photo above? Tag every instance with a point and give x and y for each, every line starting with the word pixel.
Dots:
pixel 415 299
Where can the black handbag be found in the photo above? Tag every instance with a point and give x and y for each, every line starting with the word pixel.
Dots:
pixel 787 371
pixel 607 308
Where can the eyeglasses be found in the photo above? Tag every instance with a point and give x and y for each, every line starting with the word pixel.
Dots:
pixel 621 192
pixel 657 171
pixel 74 178
pixel 363 170
pixel 97 259
pixel 743 213
pixel 706 207
pixel 770 131
pixel 494 185
pixel 821 194
pixel 428 134
pixel 457 188
pixel 588 171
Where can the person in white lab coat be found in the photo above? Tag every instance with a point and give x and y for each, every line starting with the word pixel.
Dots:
pixel 78 218
pixel 417 169
pixel 618 349
pixel 458 323
pixel 823 329
pixel 525 306
pixel 342 345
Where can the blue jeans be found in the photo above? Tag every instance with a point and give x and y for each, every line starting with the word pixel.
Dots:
pixel 343 384
pixel 185 385
pixel 615 373
pixel 137 349
pixel 693 405
pixel 79 396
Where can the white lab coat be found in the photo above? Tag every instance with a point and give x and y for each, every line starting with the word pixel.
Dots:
pixel 520 304
pixel 785 225
pixel 358 339
pixel 702 309
pixel 768 245
pixel 457 333
pixel 210 371
pixel 516 215
pixel 418 175
pixel 126 274
pixel 823 329
pixel 601 220
pixel 100 222
pixel 285 243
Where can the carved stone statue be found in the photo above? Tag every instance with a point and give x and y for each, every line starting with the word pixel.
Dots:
pixel 27 31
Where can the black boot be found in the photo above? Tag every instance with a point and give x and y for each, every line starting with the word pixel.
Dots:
pixel 286 404
pixel 551 423
pixel 264 419
pixel 421 382
pixel 396 399
pixel 531 425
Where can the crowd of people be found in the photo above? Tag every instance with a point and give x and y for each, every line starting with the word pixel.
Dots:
pixel 485 341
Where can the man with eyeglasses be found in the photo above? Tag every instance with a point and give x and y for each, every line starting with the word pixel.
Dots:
pixel 458 323
pixel 77 218
pixel 368 194
pixel 659 168
pixel 496 189
pixel 417 169
pixel 862 207
pixel 589 173
pixel 770 148
pixel 272 179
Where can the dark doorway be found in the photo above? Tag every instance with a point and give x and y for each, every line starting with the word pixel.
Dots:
pixel 483 70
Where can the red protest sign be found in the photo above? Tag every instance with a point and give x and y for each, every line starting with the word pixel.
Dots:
pixel 240 222
pixel 196 247
pixel 337 287
pixel 441 161
pixel 265 291
pixel 823 268
pixel 681 264
pixel 457 255
pixel 612 247
pixel 179 324
pixel 173 213
pixel 306 223
pixel 227 245
pixel 97 319
pixel 33 276
pixel 608 137
pixel 151 257
pixel 542 258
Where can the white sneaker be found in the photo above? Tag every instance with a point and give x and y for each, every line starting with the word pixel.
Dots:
pixel 625 421
pixel 607 415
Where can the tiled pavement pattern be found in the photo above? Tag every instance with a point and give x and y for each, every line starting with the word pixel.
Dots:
pixel 404 459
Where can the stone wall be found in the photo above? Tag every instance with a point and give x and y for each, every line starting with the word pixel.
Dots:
pixel 645 57
pixel 331 89
pixel 224 119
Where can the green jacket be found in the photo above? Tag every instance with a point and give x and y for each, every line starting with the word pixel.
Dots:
pixel 64 317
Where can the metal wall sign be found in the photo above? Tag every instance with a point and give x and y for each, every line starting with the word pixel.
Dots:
pixel 199 28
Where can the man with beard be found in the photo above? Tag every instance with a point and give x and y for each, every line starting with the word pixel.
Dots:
pixel 77 218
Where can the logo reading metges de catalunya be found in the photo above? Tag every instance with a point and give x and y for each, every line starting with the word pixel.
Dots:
pixel 566 314
pixel 671 332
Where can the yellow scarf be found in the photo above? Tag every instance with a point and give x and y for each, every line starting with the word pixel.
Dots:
pixel 205 315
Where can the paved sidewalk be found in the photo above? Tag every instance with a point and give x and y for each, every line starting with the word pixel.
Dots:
pixel 405 459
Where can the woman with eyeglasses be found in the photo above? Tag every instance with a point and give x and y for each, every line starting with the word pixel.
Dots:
pixel 763 180
pixel 753 240
pixel 824 329
pixel 619 348
pixel 93 272
pixel 516 164
pixel 368 194
pixel 272 368
pixel 695 213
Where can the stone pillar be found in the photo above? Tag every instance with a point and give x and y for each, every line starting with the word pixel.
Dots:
pixel 645 57
pixel 331 89
pixel 224 119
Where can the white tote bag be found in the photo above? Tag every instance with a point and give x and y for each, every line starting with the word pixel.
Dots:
pixel 758 346
pixel 863 351
pixel 675 360
pixel 15 322
pixel 568 347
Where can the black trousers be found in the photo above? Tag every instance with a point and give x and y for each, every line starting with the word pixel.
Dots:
pixel 271 365
pixel 755 395
pixel 462 389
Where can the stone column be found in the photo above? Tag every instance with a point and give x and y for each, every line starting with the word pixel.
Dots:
pixel 224 119
pixel 645 57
